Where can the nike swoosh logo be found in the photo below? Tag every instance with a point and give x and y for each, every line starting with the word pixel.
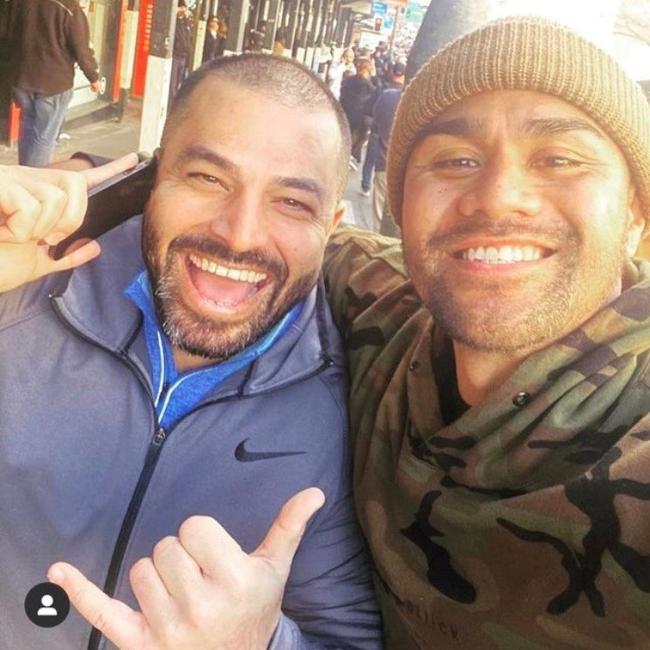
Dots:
pixel 245 456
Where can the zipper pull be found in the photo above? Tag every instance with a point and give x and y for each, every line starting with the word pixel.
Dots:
pixel 159 436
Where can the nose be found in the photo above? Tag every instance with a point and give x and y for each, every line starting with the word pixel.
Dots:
pixel 504 189
pixel 240 223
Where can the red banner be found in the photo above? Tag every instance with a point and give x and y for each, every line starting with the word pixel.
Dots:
pixel 145 19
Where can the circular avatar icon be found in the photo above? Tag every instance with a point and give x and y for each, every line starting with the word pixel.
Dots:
pixel 47 605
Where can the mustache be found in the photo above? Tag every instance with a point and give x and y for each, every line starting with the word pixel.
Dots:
pixel 256 258
pixel 504 229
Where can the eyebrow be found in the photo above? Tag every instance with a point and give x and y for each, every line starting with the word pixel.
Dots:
pixel 459 126
pixel 198 152
pixel 301 183
pixel 548 126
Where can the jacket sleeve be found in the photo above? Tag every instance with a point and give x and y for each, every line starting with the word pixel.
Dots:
pixel 79 43
pixel 359 267
pixel 329 601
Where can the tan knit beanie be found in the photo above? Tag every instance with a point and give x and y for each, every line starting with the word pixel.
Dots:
pixel 525 53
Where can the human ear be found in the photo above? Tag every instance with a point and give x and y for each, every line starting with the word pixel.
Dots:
pixel 636 224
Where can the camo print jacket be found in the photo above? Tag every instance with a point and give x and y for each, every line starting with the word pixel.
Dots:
pixel 525 524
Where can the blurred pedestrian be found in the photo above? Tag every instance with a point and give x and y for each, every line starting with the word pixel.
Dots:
pixel 211 40
pixel 46 39
pixel 394 79
pixel 255 40
pixel 279 43
pixel 182 47
pixel 381 60
pixel 340 69
pixel 357 98
pixel 222 36
pixel 383 114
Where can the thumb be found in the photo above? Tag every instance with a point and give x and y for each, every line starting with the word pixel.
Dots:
pixel 115 620
pixel 281 542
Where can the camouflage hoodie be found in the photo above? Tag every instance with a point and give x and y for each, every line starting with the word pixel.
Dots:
pixel 525 524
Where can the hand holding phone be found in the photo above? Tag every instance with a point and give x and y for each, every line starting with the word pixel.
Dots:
pixel 38 209
pixel 112 202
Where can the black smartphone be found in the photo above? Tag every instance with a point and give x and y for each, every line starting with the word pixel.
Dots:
pixel 113 202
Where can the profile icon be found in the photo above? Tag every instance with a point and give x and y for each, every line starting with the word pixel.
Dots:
pixel 47 610
pixel 47 605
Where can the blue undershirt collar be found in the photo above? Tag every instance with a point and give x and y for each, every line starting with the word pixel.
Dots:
pixel 176 394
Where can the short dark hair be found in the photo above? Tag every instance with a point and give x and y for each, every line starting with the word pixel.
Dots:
pixel 282 79
pixel 398 69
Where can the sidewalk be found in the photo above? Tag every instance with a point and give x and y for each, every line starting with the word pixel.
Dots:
pixel 105 138
pixel 112 139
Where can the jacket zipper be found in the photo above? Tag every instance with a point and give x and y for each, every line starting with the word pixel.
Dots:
pixel 128 522
pixel 153 453
pixel 157 440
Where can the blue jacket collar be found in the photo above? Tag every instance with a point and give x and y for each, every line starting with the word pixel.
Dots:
pixel 94 305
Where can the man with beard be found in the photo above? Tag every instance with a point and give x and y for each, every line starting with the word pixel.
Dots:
pixel 500 390
pixel 161 403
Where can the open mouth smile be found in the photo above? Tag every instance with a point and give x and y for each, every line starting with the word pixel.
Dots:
pixel 222 287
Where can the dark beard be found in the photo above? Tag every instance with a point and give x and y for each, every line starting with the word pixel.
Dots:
pixel 485 325
pixel 201 337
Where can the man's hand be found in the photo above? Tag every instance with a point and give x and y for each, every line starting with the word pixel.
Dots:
pixel 199 591
pixel 38 209
pixel 95 86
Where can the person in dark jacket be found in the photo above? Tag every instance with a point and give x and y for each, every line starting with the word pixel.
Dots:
pixel 182 47
pixel 211 40
pixel 378 143
pixel 222 36
pixel 383 113
pixel 357 97
pixel 47 39
pixel 145 436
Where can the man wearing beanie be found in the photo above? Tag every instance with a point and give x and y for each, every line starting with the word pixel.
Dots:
pixel 500 387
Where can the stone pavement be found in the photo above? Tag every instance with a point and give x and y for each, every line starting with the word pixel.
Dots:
pixel 112 139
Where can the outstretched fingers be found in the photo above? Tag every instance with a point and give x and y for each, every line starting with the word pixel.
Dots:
pixel 126 628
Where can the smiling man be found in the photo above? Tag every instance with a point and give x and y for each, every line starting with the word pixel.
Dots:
pixel 500 389
pixel 161 403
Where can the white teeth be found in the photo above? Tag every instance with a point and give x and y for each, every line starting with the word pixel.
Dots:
pixel 505 254
pixel 531 253
pixel 239 275
pixel 502 254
